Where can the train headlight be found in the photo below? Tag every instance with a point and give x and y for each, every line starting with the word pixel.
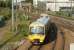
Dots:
pixel 42 38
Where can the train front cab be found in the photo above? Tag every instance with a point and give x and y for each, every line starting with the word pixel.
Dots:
pixel 36 37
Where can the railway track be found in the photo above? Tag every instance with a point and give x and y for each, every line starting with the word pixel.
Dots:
pixel 56 41
pixel 40 47
pixel 51 45
pixel 60 42
pixel 65 23
pixel 33 47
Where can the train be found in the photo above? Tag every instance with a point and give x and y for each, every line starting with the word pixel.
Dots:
pixel 39 28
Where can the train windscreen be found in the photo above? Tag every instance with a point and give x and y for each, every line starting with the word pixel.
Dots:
pixel 38 30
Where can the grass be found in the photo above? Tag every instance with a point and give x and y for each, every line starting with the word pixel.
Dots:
pixel 17 38
pixel 5 12
pixel 70 18
pixel 6 38
pixel 23 32
pixel 10 37
pixel 62 14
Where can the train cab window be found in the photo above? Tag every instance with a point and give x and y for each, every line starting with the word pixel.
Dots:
pixel 38 30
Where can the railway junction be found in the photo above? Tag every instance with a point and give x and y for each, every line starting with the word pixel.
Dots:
pixel 60 38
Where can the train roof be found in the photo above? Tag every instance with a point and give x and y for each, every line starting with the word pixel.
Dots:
pixel 34 24
pixel 44 20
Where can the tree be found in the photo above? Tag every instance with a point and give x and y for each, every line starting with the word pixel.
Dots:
pixel 31 1
pixel 9 3
pixel 2 3
pixel 6 3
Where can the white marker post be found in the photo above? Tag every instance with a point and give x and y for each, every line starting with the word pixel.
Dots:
pixel 12 15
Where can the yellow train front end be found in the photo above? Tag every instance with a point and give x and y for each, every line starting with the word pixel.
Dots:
pixel 36 38
pixel 36 33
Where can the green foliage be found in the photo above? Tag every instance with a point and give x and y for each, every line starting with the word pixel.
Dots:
pixel 9 3
pixel 23 28
pixel 24 18
pixel 2 4
pixel 6 13
pixel 6 3
pixel 5 38
pixel 63 13
pixel 31 1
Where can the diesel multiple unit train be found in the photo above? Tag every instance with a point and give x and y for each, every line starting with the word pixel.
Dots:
pixel 38 29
